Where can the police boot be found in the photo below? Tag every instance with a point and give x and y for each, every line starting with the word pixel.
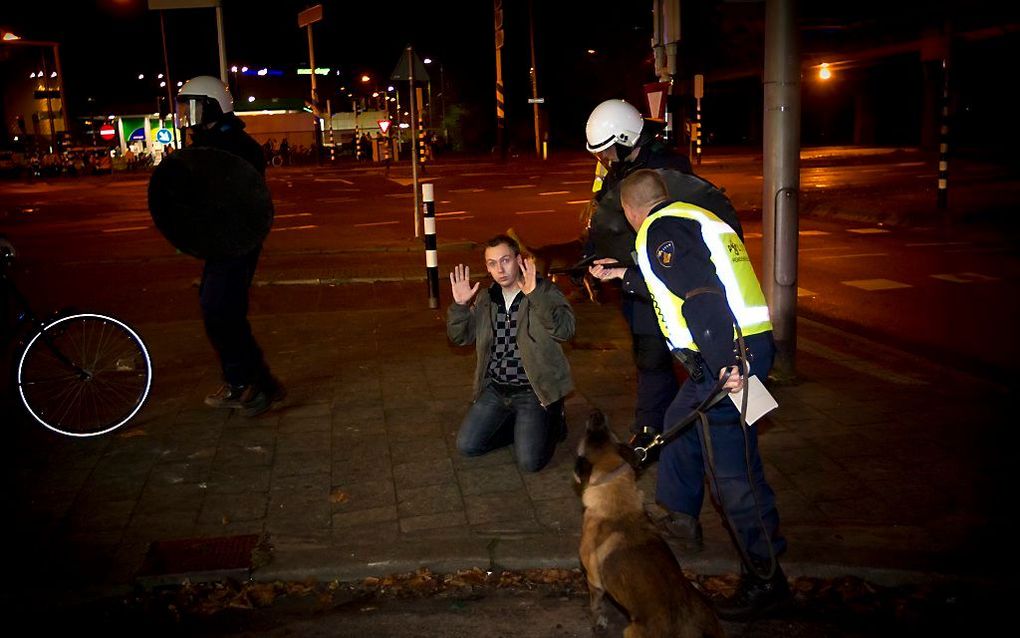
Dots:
pixel 683 533
pixel 756 596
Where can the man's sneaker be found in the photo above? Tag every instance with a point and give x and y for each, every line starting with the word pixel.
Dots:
pixel 228 396
pixel 262 399
pixel 683 532
pixel 756 596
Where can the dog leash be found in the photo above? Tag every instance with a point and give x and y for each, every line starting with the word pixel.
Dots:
pixel 717 393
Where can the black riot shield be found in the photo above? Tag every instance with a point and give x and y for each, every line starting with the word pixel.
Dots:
pixel 210 203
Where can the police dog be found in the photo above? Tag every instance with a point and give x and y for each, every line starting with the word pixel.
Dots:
pixel 557 260
pixel 622 553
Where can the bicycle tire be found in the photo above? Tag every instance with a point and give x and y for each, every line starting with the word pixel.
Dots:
pixel 102 381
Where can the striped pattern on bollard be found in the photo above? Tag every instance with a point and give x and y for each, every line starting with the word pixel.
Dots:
pixel 421 143
pixel 943 194
pixel 431 254
pixel 697 143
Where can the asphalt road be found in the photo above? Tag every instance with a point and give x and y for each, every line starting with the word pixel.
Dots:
pixel 931 289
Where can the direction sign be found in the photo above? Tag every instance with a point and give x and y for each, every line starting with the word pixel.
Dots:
pixel 536 100
pixel 309 16
pixel 384 125
pixel 163 136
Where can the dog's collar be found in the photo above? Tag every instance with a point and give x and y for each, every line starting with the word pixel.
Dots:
pixel 610 476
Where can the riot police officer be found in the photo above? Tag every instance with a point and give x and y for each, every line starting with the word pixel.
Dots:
pixel 623 142
pixel 206 110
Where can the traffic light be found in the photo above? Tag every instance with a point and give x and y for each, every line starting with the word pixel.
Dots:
pixel 695 132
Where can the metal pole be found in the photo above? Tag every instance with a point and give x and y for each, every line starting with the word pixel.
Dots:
pixel 170 103
pixel 781 183
pixel 60 86
pixel 315 97
pixel 431 253
pixel 49 102
pixel 943 187
pixel 534 79
pixel 500 113
pixel 222 42
pixel 414 136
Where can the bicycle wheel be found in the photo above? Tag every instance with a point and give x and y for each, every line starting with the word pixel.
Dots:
pixel 84 375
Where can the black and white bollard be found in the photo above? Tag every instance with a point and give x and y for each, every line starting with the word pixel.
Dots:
pixel 431 255
pixel 942 198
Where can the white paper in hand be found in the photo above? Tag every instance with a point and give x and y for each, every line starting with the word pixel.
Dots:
pixel 759 401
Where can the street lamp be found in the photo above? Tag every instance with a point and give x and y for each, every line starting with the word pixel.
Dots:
pixel 442 97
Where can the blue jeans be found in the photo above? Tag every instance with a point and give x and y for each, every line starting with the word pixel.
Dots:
pixel 501 417
pixel 682 463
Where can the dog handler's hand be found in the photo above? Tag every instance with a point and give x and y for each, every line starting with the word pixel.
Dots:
pixel 605 274
pixel 734 382
pixel 529 272
pixel 460 282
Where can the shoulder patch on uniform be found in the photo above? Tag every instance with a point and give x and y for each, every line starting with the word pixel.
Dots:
pixel 664 253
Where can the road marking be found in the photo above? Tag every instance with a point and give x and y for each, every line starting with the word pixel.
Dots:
pixel 534 212
pixel 400 195
pixel 964 277
pixel 939 243
pixel 804 292
pixel 867 231
pixel 951 278
pixel 467 190
pixel 124 230
pixel 455 212
pixel 307 227
pixel 979 277
pixel 756 236
pixel 812 233
pixel 554 193
pixel 876 284
pixel 376 224
pixel 457 219
pixel 334 179
pixel 519 186
pixel 336 200
pixel 854 256
pixel 577 181
pixel 293 215
pixel 579 201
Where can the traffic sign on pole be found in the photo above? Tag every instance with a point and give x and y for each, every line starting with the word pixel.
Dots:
pixel 384 125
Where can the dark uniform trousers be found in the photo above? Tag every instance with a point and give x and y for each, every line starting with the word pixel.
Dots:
pixel 656 378
pixel 224 300
pixel 683 462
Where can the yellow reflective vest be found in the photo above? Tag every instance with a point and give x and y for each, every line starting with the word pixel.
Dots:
pixel 732 266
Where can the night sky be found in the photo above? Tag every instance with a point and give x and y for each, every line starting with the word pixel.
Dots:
pixel 107 43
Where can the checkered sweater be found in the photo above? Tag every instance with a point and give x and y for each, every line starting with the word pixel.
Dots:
pixel 505 363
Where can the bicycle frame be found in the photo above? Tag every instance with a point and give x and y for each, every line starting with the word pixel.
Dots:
pixel 25 314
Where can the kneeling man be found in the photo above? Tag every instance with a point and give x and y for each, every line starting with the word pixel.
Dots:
pixel 522 375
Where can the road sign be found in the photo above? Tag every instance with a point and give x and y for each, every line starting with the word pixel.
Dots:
pixel 384 125
pixel 309 16
pixel 164 136
pixel 536 100
pixel 402 70
pixel 107 132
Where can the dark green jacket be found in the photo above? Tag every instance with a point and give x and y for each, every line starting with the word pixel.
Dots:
pixel 544 320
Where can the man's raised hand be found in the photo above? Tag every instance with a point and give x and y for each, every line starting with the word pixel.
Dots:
pixel 460 282
pixel 529 274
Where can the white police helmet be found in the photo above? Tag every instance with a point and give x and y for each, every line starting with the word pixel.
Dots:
pixel 613 122
pixel 202 100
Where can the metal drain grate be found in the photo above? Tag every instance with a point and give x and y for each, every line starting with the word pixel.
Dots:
pixel 199 558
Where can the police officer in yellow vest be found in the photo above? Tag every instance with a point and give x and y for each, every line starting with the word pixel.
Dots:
pixel 700 280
